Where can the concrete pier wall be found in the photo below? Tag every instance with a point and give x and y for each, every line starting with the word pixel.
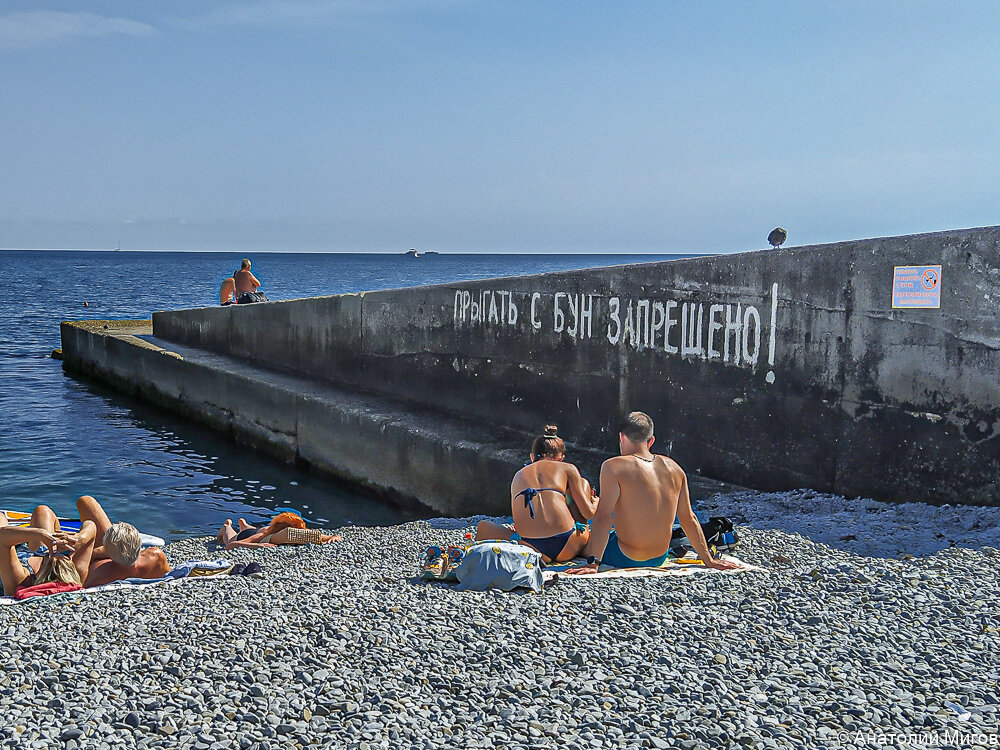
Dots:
pixel 773 369
pixel 455 468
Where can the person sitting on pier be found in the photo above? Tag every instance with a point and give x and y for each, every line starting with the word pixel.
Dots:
pixel 227 292
pixel 642 493
pixel 541 495
pixel 285 528
pixel 247 285
pixel 120 554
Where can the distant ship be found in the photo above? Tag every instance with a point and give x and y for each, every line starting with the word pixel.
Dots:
pixel 411 253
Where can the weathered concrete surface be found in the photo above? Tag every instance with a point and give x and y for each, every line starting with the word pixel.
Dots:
pixel 772 369
pixel 448 464
pixel 371 442
pixel 320 336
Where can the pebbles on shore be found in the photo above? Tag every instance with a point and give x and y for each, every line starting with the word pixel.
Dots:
pixel 340 646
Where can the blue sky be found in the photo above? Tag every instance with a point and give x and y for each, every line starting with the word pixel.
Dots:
pixel 454 125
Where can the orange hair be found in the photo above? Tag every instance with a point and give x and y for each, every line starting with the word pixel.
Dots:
pixel 284 521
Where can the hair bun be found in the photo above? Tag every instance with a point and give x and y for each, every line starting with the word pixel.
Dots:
pixel 550 431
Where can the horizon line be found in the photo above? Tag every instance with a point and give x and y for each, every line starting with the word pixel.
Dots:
pixel 363 252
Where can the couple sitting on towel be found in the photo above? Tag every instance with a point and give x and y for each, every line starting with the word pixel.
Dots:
pixel 641 494
pixel 75 560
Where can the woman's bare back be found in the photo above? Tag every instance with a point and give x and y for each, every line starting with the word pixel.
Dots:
pixel 552 514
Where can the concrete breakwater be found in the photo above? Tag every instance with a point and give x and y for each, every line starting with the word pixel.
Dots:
pixel 802 367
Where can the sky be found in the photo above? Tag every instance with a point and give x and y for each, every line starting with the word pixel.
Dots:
pixel 463 126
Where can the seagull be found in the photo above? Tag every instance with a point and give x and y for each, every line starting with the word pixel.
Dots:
pixel 777 237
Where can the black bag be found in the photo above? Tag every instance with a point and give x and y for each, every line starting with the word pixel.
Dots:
pixel 250 297
pixel 719 533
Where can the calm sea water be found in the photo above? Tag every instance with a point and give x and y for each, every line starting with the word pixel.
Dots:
pixel 61 437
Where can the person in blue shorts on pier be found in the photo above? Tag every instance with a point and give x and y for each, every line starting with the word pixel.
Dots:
pixel 641 494
pixel 541 496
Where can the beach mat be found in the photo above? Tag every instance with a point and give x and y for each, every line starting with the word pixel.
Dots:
pixel 193 570
pixel 669 569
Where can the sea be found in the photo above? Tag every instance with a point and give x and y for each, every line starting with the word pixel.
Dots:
pixel 62 436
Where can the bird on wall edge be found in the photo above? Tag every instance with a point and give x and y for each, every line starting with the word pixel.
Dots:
pixel 777 237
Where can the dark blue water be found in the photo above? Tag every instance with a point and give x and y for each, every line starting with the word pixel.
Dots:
pixel 61 437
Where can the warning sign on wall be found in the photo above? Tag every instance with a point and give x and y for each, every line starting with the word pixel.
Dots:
pixel 916 286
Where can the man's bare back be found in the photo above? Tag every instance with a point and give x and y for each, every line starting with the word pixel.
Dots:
pixel 245 281
pixel 641 495
pixel 647 504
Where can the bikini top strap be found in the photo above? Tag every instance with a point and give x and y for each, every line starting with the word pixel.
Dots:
pixel 529 495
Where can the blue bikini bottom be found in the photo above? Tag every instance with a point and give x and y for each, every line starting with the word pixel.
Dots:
pixel 614 557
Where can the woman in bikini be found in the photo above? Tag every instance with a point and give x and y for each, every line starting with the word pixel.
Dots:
pixel 66 559
pixel 540 497
pixel 285 528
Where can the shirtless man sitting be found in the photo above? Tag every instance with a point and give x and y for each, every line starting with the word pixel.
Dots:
pixel 245 281
pixel 120 554
pixel 642 493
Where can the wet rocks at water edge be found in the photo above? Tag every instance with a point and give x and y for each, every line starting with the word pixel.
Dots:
pixel 339 646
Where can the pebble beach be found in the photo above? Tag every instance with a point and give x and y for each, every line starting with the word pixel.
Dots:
pixel 834 644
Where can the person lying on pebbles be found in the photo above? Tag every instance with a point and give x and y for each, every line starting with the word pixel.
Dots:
pixel 67 556
pixel 285 528
pixel 120 554
pixel 541 495
pixel 642 494
pixel 73 557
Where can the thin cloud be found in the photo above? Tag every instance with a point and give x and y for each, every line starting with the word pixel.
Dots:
pixel 268 13
pixel 39 27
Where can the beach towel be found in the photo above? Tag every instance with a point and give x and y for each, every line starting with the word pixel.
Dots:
pixel 200 568
pixel 670 568
pixel 45 589
pixel 190 571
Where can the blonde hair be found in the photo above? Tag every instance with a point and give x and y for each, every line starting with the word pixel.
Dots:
pixel 57 568
pixel 122 543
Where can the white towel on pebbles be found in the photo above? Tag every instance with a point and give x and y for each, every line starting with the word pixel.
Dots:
pixel 667 570
pixel 134 583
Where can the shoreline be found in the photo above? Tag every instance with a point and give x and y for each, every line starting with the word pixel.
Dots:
pixel 341 647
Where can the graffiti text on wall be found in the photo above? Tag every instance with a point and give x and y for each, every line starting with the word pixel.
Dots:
pixel 731 332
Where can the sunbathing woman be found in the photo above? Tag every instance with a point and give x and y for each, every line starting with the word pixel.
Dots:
pixel 67 556
pixel 540 497
pixel 285 528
